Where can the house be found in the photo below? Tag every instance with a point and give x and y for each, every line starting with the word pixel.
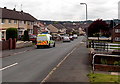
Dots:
pixel 72 27
pixel 61 28
pixel 57 29
pixel 16 19
pixel 39 27
pixel 52 29
pixel 116 33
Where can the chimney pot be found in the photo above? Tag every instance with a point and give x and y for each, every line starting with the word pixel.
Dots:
pixel 5 7
pixel 14 9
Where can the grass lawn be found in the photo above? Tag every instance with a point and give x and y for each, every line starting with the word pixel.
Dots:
pixel 94 78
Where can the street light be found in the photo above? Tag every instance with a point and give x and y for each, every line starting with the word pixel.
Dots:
pixel 86 21
pixel 86 9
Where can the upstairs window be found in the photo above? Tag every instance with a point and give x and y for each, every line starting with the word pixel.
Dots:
pixel 9 21
pixel 28 23
pixel 3 21
pixel 15 21
pixel 117 30
pixel 24 22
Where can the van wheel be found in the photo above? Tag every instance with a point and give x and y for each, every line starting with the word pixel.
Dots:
pixel 54 45
pixel 49 45
pixel 38 47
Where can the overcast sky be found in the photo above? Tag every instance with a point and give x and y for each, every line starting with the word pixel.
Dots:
pixel 65 10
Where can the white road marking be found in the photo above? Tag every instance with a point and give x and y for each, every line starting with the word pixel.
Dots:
pixel 57 66
pixel 8 66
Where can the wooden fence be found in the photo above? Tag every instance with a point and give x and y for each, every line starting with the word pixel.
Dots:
pixel 104 46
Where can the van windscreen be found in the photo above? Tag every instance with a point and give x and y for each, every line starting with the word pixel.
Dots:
pixel 42 38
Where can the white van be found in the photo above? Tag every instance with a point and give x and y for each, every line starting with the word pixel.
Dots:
pixel 45 40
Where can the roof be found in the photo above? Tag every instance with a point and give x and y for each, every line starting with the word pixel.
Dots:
pixel 16 15
pixel 59 26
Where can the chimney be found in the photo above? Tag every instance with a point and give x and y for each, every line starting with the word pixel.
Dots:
pixel 14 9
pixel 21 10
pixel 5 7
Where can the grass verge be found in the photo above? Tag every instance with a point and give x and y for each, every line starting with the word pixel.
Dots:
pixel 104 78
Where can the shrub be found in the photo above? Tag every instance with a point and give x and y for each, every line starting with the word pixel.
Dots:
pixel 11 33
pixel 103 61
pixel 117 63
pixel 25 36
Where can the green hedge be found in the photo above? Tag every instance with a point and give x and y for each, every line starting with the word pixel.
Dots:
pixel 25 36
pixel 11 33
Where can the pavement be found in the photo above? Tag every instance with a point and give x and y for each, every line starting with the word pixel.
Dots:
pixel 6 53
pixel 74 69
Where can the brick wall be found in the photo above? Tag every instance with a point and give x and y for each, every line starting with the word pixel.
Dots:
pixel 99 67
pixel 8 44
pixel 4 44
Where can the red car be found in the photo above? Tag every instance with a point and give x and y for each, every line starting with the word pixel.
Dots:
pixel 33 38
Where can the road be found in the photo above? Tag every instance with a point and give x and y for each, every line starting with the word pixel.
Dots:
pixel 33 66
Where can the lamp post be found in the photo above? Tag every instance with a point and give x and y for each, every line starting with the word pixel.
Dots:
pixel 86 9
pixel 86 21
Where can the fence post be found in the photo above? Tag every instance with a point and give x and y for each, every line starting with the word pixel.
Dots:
pixel 107 47
pixel 14 43
pixel 92 44
pixel 10 43
pixel 89 45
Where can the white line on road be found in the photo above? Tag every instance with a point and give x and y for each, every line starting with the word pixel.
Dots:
pixel 57 66
pixel 8 66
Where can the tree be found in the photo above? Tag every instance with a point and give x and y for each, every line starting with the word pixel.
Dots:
pixel 25 36
pixel 11 33
pixel 98 27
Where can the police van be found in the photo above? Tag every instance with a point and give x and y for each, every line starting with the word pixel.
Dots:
pixel 45 40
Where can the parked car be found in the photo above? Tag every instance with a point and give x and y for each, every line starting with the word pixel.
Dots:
pixel 66 39
pixel 71 38
pixel 75 36
pixel 33 38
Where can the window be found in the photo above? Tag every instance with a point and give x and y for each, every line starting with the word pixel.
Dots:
pixel 31 23
pixel 15 21
pixel 117 30
pixel 117 38
pixel 9 21
pixel 3 21
pixel 28 23
pixel 51 38
pixel 24 22
pixel 2 34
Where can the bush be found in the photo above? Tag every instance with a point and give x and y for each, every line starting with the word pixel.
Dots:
pixel 11 33
pixel 25 36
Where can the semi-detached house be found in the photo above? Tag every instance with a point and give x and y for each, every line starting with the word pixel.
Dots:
pixel 16 19
pixel 116 33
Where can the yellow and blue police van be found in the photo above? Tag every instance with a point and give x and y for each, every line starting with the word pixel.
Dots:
pixel 45 40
